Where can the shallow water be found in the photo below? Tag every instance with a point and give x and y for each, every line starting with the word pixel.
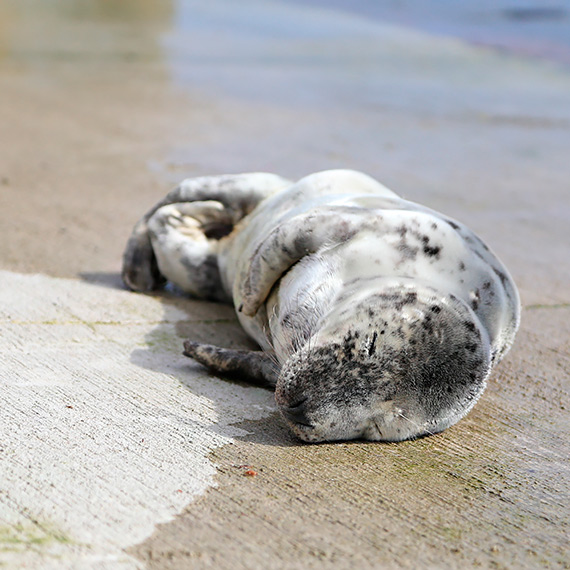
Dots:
pixel 532 28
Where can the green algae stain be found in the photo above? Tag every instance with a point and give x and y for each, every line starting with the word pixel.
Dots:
pixel 162 339
pixel 31 536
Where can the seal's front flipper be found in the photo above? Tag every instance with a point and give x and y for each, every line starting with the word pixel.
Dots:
pixel 290 241
pixel 255 366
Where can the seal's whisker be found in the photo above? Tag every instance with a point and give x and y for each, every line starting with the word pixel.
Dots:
pixel 274 360
pixel 415 424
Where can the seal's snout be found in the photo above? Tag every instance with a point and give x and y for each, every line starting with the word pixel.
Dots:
pixel 320 401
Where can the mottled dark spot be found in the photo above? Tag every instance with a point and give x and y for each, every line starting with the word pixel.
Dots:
pixel 432 251
pixel 435 309
pixel 452 224
pixel 461 266
pixel 287 251
pixel 427 324
pixel 396 300
pixel 301 244
pixel 476 298
pixel 407 251
pixel 410 298
pixel 434 226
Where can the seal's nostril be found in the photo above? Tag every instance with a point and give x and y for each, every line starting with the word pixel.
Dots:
pixel 297 413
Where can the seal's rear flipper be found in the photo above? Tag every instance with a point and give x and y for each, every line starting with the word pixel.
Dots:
pixel 140 268
pixel 177 238
pixel 255 366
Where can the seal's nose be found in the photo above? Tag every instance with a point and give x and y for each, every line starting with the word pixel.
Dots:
pixel 297 414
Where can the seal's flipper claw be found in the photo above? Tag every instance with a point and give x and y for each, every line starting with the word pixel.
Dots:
pixel 255 366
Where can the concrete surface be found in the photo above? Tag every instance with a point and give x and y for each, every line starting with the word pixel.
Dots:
pixel 101 440
pixel 115 451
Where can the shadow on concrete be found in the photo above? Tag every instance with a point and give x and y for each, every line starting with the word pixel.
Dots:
pixel 213 323
pixel 236 401
pixel 110 280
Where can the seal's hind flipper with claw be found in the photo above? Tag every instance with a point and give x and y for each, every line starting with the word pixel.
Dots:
pixel 256 367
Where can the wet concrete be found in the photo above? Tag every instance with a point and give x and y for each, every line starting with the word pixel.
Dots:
pixel 104 105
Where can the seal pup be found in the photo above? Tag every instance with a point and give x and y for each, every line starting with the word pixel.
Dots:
pixel 378 318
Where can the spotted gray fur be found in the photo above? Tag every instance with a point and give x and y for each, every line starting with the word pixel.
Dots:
pixel 378 318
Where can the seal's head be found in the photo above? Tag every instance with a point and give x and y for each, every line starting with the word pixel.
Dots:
pixel 394 365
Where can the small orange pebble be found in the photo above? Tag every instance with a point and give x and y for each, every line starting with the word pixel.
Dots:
pixel 250 473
